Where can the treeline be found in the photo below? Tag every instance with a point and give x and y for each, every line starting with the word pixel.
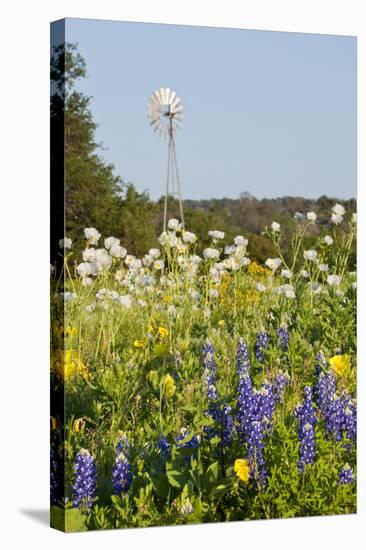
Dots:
pixel 96 197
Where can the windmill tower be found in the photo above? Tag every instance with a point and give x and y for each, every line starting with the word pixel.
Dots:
pixel 165 113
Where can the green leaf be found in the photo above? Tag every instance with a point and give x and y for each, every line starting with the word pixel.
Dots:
pixel 176 479
pixel 221 489
pixel 161 486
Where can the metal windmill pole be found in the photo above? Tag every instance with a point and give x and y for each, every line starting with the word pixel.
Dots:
pixel 165 114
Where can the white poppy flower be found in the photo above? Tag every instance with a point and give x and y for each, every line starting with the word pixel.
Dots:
pixel 216 235
pixel 240 240
pixel 147 260
pixel 84 269
pixel 285 290
pixel 195 260
pixel 159 265
pixel 316 288
pixel 338 210
pixel 311 216
pixel 102 259
pixel 94 268
pixel 110 242
pixel 189 237
pixel 287 273
pixel 304 273
pixel 125 301
pixel 135 264
pixel 92 235
pixel 230 249
pixel 155 253
pixel 87 281
pixel 65 243
pixel 333 280
pixel 328 240
pixel 89 255
pixel 276 227
pixel 174 224
pixel 323 267
pixel 273 263
pixel 211 253
pixel 117 251
pixel 336 219
pixel 169 238
pixel 310 255
pixel 100 295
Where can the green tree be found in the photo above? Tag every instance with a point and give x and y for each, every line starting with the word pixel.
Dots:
pixel 93 193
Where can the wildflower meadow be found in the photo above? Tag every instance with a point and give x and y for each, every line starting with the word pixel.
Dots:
pixel 201 385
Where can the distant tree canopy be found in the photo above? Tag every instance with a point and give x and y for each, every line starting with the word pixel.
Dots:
pixel 96 197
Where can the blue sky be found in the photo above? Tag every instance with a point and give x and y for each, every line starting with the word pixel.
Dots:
pixel 266 112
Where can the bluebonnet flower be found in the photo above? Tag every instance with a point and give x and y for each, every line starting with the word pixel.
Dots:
pixel 281 381
pixel 283 337
pixel 346 475
pixel 123 444
pixel 164 446
pixel 264 405
pixel 255 451
pixel 54 477
pixel 218 412
pixel 305 414
pixel 261 345
pixel 209 370
pixel 334 418
pixel 84 486
pixel 324 391
pixel 121 474
pixel 227 426
pixel 255 413
pixel 338 410
pixel 245 404
pixel 350 418
pixel 242 359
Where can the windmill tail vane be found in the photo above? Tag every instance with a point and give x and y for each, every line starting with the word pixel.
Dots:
pixel 165 113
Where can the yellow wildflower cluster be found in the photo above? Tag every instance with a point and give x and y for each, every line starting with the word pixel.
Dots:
pixel 168 386
pixel 257 271
pixel 66 364
pixel 340 364
pixel 242 468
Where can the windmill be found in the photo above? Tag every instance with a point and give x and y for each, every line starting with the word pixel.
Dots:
pixel 165 113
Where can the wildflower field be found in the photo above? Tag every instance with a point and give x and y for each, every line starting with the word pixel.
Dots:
pixel 204 387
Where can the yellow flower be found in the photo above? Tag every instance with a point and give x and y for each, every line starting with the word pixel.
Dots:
pixel 221 323
pixel 163 332
pixel 79 424
pixel 242 468
pixel 168 386
pixel 71 331
pixel 340 364
pixel 67 364
pixel 139 343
